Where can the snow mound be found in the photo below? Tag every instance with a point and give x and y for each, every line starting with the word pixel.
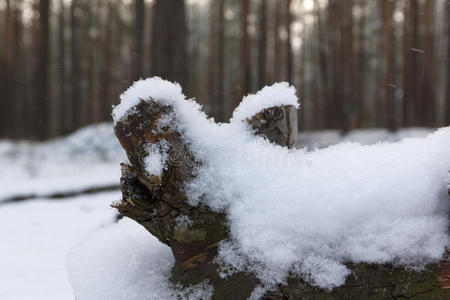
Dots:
pixel 153 87
pixel 123 261
pixel 307 213
pixel 86 159
pixel 277 94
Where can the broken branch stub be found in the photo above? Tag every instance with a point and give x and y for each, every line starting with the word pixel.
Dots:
pixel 278 124
pixel 159 203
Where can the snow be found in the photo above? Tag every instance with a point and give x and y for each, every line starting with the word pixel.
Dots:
pixel 153 87
pixel 126 262
pixel 307 213
pixel 87 159
pixel 310 212
pixel 36 237
pixel 155 161
pixel 277 94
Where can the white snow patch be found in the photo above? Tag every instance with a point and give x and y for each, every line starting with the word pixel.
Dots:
pixel 183 222
pixel 156 160
pixel 153 87
pixel 87 159
pixel 36 236
pixel 310 212
pixel 123 261
pixel 277 94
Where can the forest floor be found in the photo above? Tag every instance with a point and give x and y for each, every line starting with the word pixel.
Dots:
pixel 38 233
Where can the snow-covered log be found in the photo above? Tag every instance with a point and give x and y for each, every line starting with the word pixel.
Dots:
pixel 165 135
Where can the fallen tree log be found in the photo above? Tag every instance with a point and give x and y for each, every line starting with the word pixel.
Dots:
pixel 158 202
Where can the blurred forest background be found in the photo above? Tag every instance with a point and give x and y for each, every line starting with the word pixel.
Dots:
pixel 356 63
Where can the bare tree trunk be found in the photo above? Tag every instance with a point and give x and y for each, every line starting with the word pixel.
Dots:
pixel 360 86
pixel 41 71
pixel 277 43
pixel 388 101
pixel 428 103
pixel 5 73
pixel 289 60
pixel 346 99
pixel 447 117
pixel 412 51
pixel 169 56
pixel 62 95
pixel 262 43
pixel 139 39
pixel 244 59
pixel 19 94
pixel 73 109
pixel 221 62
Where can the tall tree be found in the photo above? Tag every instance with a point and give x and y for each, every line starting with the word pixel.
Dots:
pixel 289 59
pixel 262 43
pixel 19 73
pixel 62 91
pixel 216 59
pixel 447 117
pixel 321 82
pixel 277 42
pixel 5 64
pixel 244 62
pixel 169 57
pixel 74 119
pixel 360 71
pixel 41 76
pixel 428 78
pixel 388 101
pixel 412 52
pixel 139 38
pixel 346 66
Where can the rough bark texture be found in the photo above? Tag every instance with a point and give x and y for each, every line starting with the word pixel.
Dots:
pixel 157 201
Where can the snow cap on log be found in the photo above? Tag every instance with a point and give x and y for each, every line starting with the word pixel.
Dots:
pixel 278 94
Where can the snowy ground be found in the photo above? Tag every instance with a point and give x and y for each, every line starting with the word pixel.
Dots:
pixel 87 159
pixel 37 234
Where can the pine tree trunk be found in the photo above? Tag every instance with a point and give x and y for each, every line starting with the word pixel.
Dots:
pixel 169 53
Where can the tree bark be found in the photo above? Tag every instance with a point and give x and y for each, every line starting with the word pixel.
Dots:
pixel 262 44
pixel 447 117
pixel 156 201
pixel 388 101
pixel 289 59
pixel 73 109
pixel 139 6
pixel 169 53
pixel 41 74
pixel 244 64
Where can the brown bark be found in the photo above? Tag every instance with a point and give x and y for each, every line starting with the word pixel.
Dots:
pixel 262 44
pixel 447 118
pixel 139 6
pixel 41 74
pixel 5 73
pixel 216 58
pixel 75 67
pixel 411 71
pixel 289 59
pixel 244 59
pixel 277 42
pixel 388 102
pixel 169 53
pixel 156 201
pixel 429 87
